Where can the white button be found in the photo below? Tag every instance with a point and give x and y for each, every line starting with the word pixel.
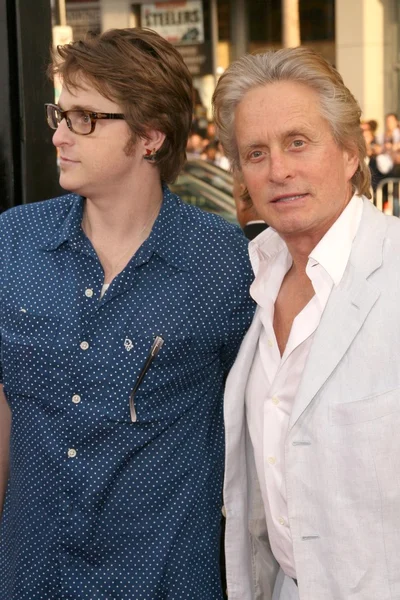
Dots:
pixel 84 345
pixel 71 453
pixel 223 510
pixel 275 400
pixel 271 460
pixel 89 293
pixel 76 398
pixel 282 521
pixel 270 343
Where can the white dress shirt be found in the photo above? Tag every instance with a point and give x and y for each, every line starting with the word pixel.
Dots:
pixel 274 379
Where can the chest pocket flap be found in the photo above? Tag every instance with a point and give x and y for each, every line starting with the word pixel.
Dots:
pixel 27 349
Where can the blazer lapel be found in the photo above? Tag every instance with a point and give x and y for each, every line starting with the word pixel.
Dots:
pixel 346 311
pixel 341 321
pixel 237 379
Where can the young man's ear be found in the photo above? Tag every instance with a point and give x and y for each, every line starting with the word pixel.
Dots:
pixel 153 141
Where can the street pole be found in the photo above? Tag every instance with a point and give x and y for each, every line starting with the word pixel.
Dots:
pixel 239 29
pixel 62 13
pixel 290 23
pixel 214 37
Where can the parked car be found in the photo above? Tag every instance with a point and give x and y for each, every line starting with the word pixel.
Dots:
pixel 210 188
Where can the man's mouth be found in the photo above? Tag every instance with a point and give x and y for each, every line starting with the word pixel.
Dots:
pixel 65 159
pixel 288 198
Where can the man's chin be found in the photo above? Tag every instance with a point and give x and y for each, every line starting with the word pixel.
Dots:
pixel 70 186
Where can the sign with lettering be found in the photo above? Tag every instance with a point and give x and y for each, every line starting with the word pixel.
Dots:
pixel 198 58
pixel 83 17
pixel 178 22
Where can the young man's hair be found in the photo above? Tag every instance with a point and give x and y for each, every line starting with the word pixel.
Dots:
pixel 302 65
pixel 145 75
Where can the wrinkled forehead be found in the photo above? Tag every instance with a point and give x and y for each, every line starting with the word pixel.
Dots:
pixel 276 106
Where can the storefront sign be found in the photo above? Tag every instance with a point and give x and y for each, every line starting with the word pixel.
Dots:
pixel 197 58
pixel 83 17
pixel 177 22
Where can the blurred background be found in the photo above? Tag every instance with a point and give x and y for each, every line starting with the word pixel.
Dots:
pixel 360 37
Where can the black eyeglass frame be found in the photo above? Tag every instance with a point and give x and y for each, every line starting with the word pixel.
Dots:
pixel 94 116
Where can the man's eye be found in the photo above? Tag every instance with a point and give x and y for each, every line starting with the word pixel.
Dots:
pixel 81 117
pixel 256 154
pixel 85 118
pixel 298 143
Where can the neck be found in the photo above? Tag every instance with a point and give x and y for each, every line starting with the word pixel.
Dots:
pixel 123 216
pixel 300 252
pixel 119 226
pixel 300 245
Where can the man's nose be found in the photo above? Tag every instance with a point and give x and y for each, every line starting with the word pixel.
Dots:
pixel 280 166
pixel 62 135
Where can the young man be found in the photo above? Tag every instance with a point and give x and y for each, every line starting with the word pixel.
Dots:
pixel 121 312
pixel 312 492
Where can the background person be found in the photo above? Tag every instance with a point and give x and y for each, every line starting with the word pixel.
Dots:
pixel 391 135
pixel 312 495
pixel 121 312
pixel 247 215
pixel 373 151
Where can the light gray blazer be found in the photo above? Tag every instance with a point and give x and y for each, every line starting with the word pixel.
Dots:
pixel 342 449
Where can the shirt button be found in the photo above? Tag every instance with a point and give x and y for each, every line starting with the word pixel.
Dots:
pixel 76 398
pixel 89 293
pixel 281 521
pixel 271 460
pixel 270 343
pixel 223 510
pixel 275 400
pixel 71 453
pixel 84 345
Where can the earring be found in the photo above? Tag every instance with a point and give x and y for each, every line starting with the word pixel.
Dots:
pixel 150 155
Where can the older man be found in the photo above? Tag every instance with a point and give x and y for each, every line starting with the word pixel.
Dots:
pixel 312 488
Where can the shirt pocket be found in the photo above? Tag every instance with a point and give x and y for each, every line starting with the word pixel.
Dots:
pixel 366 409
pixel 168 386
pixel 27 350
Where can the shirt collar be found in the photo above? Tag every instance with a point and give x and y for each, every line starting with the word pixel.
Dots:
pixel 333 250
pixel 166 239
pixel 70 228
pixel 265 247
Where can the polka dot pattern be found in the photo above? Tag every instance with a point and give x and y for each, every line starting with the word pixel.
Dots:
pixel 99 507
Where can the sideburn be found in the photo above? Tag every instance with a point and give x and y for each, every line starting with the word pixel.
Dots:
pixel 129 149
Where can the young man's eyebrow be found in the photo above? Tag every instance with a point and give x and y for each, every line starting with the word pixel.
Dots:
pixel 80 107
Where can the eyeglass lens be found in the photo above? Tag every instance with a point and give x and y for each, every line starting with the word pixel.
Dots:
pixel 78 121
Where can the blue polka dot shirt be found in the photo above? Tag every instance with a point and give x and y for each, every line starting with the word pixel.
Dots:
pixel 100 507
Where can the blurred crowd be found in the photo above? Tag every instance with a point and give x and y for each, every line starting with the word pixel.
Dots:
pixel 203 142
pixel 383 150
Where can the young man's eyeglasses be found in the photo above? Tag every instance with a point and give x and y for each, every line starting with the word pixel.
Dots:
pixel 81 122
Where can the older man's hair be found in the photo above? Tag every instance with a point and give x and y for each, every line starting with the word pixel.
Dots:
pixel 302 65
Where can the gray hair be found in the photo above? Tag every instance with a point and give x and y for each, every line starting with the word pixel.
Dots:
pixel 302 65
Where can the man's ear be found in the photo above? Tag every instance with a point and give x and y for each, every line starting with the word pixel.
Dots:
pixel 153 141
pixel 351 161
